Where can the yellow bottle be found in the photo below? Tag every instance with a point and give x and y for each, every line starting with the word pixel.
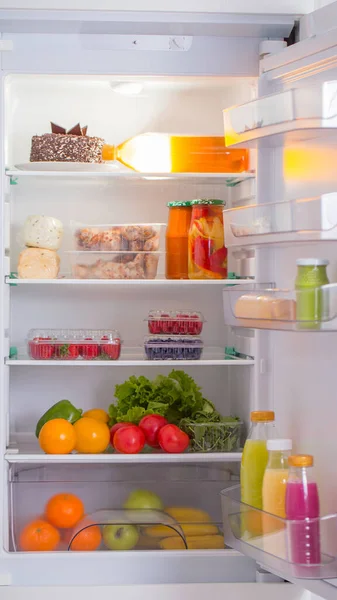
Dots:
pixel 276 477
pixel 253 465
pixel 166 153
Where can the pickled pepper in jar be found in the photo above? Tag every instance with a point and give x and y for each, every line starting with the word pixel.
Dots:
pixel 207 255
pixel 177 240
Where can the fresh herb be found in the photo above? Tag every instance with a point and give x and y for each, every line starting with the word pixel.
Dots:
pixel 222 435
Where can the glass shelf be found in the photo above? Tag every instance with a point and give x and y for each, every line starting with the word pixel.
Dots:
pixel 270 540
pixel 296 114
pixel 302 220
pixel 264 306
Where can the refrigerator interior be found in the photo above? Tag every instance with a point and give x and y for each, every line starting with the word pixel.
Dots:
pixel 187 106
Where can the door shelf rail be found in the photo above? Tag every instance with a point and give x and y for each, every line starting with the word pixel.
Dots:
pixel 270 540
pixel 295 115
pixel 264 306
pixel 303 220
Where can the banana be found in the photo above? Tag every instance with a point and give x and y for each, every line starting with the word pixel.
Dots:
pixel 198 542
pixel 188 529
pixel 188 515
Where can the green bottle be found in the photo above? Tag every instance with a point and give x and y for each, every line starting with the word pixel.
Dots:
pixel 311 303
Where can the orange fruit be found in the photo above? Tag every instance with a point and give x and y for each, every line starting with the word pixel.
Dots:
pixel 57 437
pixel 86 537
pixel 64 510
pixel 39 536
pixel 108 152
pixel 92 436
pixel 98 414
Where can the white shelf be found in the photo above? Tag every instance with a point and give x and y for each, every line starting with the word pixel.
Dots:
pixel 206 178
pixel 113 282
pixel 297 115
pixel 303 220
pixel 211 362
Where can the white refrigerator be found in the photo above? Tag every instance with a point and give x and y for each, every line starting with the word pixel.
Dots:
pixel 129 73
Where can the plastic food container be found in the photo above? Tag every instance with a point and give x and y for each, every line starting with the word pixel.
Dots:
pixel 213 437
pixel 114 265
pixel 183 322
pixel 73 344
pixel 136 237
pixel 165 347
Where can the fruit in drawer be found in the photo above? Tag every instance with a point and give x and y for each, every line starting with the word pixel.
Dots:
pixel 57 436
pixel 120 537
pixel 188 515
pixel 92 436
pixel 143 499
pixel 97 413
pixel 191 529
pixel 150 426
pixel 172 439
pixel 85 537
pixel 64 510
pixel 129 440
pixel 197 542
pixel 39 536
pixel 61 410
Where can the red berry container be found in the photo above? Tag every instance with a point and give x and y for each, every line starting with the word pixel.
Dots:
pixel 74 344
pixel 175 322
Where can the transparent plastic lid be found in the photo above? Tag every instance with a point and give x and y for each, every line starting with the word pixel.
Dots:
pixel 312 262
pixel 71 336
pixel 178 341
pixel 177 315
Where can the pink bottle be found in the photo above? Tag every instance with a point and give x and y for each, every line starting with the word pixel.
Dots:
pixel 302 506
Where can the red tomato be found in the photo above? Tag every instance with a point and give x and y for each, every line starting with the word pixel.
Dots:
pixel 115 428
pixel 172 439
pixel 150 426
pixel 129 440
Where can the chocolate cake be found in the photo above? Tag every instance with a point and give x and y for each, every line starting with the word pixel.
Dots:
pixel 66 146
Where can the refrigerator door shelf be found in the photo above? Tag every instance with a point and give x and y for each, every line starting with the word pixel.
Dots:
pixel 268 538
pixel 294 115
pixel 264 306
pixel 303 220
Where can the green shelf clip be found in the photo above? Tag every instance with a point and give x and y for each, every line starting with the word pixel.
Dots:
pixel 230 352
pixel 13 352
pixel 13 275
pixel 13 180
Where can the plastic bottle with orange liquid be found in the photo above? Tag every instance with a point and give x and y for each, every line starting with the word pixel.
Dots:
pixel 166 153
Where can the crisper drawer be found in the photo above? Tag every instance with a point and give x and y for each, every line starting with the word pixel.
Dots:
pixel 185 530
pixel 102 508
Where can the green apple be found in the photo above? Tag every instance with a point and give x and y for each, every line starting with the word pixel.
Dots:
pixel 120 537
pixel 143 499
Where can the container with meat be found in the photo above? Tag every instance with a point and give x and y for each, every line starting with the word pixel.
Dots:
pixel 114 265
pixel 142 237
pixel 74 344
pixel 166 347
pixel 183 322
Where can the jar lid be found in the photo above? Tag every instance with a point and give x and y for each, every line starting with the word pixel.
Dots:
pixel 279 444
pixel 301 460
pixel 179 203
pixel 208 201
pixel 312 262
pixel 262 415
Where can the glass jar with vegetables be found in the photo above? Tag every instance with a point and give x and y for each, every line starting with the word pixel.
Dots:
pixel 207 255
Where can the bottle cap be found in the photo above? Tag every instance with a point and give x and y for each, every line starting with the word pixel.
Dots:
pixel 301 460
pixel 179 203
pixel 279 444
pixel 208 201
pixel 258 416
pixel 312 262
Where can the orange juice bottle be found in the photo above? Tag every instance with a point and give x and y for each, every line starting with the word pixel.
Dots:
pixel 276 477
pixel 166 153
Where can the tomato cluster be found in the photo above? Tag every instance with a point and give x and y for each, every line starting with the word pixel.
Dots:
pixel 153 430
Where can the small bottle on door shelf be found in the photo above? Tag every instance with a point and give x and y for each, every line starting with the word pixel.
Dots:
pixel 312 301
pixel 302 511
pixel 166 153
pixel 276 477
